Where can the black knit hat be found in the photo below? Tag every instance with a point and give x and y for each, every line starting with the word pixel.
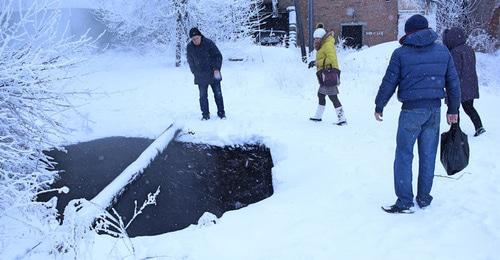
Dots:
pixel 193 32
pixel 416 23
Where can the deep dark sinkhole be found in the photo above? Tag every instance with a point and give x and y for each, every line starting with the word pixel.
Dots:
pixel 193 179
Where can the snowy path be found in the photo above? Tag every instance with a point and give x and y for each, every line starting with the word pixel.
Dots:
pixel 329 181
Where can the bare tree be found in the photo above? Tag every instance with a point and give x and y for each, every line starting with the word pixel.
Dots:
pixel 35 56
pixel 180 37
pixel 457 13
pixel 165 24
pixel 471 15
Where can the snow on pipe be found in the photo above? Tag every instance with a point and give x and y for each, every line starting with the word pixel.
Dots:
pixel 134 170
pixel 81 211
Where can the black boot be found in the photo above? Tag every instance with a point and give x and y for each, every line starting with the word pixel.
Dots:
pixel 479 131
pixel 395 209
pixel 221 115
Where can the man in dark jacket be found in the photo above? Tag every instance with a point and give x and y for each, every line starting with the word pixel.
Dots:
pixel 421 70
pixel 205 62
pixel 465 62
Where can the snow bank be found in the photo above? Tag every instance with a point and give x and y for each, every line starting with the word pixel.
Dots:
pixel 329 181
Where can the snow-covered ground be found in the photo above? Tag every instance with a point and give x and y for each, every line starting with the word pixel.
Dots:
pixel 329 181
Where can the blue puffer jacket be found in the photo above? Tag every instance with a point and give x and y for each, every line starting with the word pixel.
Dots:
pixel 423 70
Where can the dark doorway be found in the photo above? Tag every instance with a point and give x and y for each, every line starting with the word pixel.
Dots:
pixel 193 179
pixel 353 35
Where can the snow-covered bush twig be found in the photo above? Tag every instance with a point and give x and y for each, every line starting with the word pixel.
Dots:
pixel 75 236
pixel 113 225
pixel 342 48
pixel 456 13
pixel 469 15
pixel 35 57
pixel 480 40
pixel 116 221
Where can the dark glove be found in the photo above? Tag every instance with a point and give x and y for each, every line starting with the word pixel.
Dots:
pixel 311 64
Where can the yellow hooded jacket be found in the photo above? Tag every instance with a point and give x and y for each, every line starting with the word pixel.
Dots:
pixel 326 56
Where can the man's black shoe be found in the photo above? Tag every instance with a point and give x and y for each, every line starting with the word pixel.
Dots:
pixel 222 115
pixel 422 205
pixel 479 131
pixel 394 209
pixel 207 117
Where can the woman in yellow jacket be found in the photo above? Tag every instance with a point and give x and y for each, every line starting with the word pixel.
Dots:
pixel 326 57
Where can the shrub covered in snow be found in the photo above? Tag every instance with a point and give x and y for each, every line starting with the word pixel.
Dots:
pixel 34 58
pixel 482 41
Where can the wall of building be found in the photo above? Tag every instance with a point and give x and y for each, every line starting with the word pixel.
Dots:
pixel 495 20
pixel 483 11
pixel 378 17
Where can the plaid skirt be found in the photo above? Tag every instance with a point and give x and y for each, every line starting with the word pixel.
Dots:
pixel 329 91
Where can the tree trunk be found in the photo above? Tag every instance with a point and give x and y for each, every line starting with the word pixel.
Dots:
pixel 179 28
pixel 300 32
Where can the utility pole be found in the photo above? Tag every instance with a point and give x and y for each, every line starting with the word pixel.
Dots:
pixel 300 32
pixel 310 23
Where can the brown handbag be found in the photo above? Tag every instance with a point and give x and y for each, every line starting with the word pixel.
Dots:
pixel 328 77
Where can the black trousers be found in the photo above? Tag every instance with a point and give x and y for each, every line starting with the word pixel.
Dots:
pixel 334 98
pixel 469 109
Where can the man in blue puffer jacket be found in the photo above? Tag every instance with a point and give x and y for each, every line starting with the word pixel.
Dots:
pixel 423 72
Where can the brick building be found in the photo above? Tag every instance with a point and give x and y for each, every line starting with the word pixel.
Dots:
pixel 361 22
pixel 494 22
pixel 487 15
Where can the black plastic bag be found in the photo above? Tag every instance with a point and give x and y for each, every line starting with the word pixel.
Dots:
pixel 454 150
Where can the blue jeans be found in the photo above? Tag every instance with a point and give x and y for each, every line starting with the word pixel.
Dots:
pixel 216 88
pixel 420 124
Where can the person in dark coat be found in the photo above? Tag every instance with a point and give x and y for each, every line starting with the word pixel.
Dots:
pixel 205 62
pixel 421 70
pixel 465 62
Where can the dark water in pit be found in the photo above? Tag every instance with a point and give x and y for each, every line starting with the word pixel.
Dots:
pixel 193 179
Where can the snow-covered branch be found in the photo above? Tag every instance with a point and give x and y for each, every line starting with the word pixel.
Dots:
pixel 140 23
pixel 456 13
pixel 113 224
pixel 35 57
pixel 78 229
pixel 472 16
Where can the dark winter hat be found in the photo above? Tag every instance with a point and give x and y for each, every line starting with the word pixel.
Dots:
pixel 416 23
pixel 193 32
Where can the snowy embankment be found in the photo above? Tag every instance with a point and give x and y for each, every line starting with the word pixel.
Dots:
pixel 329 181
